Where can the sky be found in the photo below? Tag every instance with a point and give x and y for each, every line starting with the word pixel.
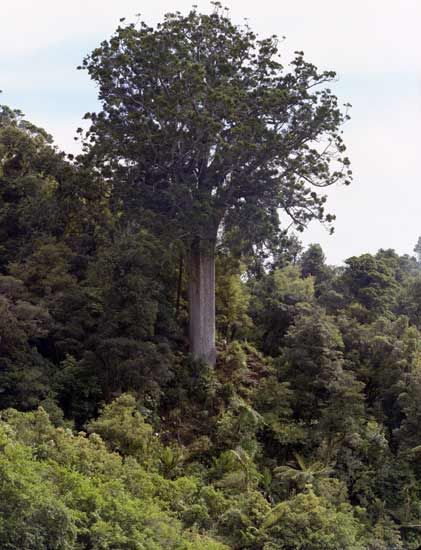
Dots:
pixel 373 45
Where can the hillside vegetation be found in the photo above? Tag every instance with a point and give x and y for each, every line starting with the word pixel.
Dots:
pixel 303 431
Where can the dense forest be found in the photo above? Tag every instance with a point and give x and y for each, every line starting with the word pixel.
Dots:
pixel 294 420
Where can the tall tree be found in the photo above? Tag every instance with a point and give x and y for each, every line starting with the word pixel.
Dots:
pixel 417 249
pixel 371 281
pixel 205 127
pixel 313 262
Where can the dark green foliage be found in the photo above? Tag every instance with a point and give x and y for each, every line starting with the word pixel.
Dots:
pixel 307 522
pixel 205 132
pixel 277 298
pixel 202 125
pixel 24 372
pixel 326 395
pixel 313 263
pixel 417 249
pixel 371 282
pixel 306 434
pixel 232 299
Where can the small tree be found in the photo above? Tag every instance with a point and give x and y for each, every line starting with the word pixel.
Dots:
pixel 205 128
pixel 417 250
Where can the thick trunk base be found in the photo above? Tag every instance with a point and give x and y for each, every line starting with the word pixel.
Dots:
pixel 202 301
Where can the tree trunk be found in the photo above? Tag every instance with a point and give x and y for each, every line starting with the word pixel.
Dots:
pixel 202 300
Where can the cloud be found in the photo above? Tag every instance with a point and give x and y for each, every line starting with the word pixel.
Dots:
pixel 371 35
pixel 381 209
pixel 372 44
pixel 28 26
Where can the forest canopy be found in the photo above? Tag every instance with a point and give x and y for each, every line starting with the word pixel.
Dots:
pixel 302 431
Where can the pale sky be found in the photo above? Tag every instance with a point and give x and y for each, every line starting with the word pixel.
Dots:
pixel 373 45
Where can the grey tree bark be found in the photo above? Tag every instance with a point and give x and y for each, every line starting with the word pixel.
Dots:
pixel 201 295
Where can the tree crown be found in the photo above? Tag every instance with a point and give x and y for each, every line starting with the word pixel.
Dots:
pixel 201 117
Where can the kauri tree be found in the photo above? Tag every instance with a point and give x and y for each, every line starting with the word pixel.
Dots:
pixel 202 125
